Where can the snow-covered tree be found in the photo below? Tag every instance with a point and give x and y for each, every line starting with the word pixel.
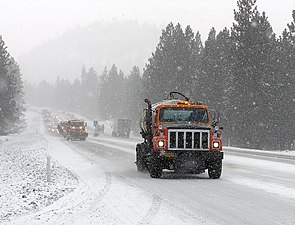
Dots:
pixel 171 67
pixel 216 72
pixel 134 100
pixel 89 85
pixel 251 100
pixel 111 97
pixel 11 97
pixel 103 100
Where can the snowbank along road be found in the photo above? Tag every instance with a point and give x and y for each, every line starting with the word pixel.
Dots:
pixel 101 186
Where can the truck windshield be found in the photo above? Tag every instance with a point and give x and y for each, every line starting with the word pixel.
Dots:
pixel 183 114
pixel 77 124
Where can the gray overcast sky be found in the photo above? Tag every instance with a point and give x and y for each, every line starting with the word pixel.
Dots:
pixel 26 23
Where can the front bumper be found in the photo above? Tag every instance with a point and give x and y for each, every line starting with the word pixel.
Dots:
pixel 78 135
pixel 189 161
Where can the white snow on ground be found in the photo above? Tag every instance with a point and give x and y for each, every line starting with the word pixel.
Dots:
pixel 102 197
pixel 23 173
pixel 286 192
pixel 278 152
pixel 261 166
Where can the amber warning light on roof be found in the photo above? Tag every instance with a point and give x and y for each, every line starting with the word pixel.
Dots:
pixel 183 102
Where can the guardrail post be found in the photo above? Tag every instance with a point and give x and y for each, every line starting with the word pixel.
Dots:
pixel 48 172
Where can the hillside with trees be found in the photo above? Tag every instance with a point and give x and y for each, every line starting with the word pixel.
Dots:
pixel 246 72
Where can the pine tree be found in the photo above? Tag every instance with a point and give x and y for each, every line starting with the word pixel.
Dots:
pixel 171 67
pixel 4 98
pixel 208 78
pixel 111 93
pixel 216 72
pixel 89 92
pixel 16 82
pixel 286 84
pixel 134 99
pixel 103 100
pixel 251 102
pixel 75 96
pixel 196 89
pixel 11 98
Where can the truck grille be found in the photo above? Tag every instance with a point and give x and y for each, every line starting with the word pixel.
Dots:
pixel 188 139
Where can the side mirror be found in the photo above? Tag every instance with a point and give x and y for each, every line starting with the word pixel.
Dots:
pixel 85 124
pixel 215 117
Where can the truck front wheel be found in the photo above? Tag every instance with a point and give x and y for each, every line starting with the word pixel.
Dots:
pixel 155 170
pixel 215 169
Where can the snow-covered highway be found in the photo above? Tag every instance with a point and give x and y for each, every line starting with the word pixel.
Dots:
pixel 110 190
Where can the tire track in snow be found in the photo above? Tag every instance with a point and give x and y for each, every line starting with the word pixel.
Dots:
pixel 159 203
pixel 102 193
pixel 152 212
pixel 93 202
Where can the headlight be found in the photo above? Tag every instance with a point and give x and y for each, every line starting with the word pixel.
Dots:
pixel 216 144
pixel 161 143
pixel 160 127
pixel 81 127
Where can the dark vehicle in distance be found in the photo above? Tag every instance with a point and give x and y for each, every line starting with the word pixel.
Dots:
pixel 122 128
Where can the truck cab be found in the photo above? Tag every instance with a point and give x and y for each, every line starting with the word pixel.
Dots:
pixel 179 135
pixel 73 129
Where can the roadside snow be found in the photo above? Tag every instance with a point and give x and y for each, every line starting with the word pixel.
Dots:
pixel 277 152
pixel 23 173
pixel 286 192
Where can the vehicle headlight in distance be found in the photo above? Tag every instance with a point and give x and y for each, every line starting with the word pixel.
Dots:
pixel 161 143
pixel 216 144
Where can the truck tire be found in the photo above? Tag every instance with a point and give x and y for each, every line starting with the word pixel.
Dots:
pixel 155 172
pixel 214 170
pixel 155 169
pixel 140 164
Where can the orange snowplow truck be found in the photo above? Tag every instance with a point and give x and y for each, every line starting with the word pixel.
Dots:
pixel 179 135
